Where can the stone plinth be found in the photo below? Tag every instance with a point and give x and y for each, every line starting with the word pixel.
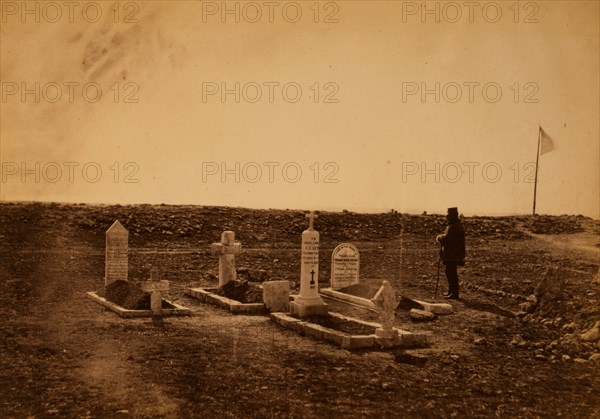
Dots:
pixel 276 295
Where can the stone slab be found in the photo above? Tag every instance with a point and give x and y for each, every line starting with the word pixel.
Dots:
pixel 207 295
pixel 125 313
pixel 408 303
pixel 363 302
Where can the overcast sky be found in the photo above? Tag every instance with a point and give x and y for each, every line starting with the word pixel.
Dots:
pixel 362 105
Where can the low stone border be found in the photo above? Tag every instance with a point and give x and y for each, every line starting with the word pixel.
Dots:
pixel 404 339
pixel 207 295
pixel 127 314
pixel 363 302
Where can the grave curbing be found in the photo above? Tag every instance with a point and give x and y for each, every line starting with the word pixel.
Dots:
pixel 207 295
pixel 127 314
pixel 346 341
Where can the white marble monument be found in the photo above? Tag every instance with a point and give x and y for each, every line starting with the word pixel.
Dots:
pixel 309 302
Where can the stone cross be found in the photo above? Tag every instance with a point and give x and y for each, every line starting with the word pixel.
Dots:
pixel 226 250
pixel 385 301
pixel 311 219
pixel 156 287
pixel 117 246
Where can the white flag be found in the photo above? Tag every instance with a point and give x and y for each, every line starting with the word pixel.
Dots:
pixel 546 143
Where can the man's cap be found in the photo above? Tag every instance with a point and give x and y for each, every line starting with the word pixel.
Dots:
pixel 453 211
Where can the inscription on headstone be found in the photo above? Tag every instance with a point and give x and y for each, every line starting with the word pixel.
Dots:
pixel 117 245
pixel 345 262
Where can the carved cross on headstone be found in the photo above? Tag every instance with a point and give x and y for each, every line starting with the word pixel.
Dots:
pixel 226 250
pixel 156 287
pixel 311 219
pixel 385 301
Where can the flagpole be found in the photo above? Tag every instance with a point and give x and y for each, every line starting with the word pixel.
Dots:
pixel 537 159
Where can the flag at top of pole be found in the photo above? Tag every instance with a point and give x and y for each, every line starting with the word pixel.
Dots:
pixel 545 145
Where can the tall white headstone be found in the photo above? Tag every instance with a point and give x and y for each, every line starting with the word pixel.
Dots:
pixel 117 246
pixel 309 302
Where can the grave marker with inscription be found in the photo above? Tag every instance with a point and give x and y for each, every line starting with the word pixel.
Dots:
pixel 117 246
pixel 309 301
pixel 345 263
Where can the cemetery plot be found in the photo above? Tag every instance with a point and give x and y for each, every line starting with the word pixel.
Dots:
pixel 131 299
pixel 236 296
pixel 350 333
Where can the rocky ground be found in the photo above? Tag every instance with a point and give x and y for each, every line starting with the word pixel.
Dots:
pixel 524 341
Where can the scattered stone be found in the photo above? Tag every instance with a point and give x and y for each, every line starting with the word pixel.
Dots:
pixel 550 287
pixel 566 357
pixel 594 357
pixel 593 334
pixel 479 341
pixel 540 357
pixel 532 299
pixel 580 360
pixel 421 315
pixel 518 341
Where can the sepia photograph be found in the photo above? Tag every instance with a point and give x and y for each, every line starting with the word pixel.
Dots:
pixel 299 209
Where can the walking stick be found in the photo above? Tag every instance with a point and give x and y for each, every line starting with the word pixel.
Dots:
pixel 437 282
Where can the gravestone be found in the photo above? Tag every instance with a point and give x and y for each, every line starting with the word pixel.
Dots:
pixel 276 295
pixel 226 250
pixel 117 244
pixel 156 287
pixel 385 301
pixel 345 262
pixel 309 302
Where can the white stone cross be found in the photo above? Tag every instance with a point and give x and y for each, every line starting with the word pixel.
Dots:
pixel 226 250
pixel 385 301
pixel 156 288
pixel 311 218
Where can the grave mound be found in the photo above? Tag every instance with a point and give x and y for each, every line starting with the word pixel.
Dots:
pixel 341 325
pixel 242 291
pixel 359 290
pixel 128 295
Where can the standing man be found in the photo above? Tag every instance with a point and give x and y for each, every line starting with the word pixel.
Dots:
pixel 453 250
